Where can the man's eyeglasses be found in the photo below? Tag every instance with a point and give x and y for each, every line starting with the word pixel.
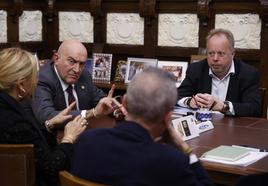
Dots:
pixel 219 53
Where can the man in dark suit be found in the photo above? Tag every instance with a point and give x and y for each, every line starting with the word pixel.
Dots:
pixel 129 154
pixel 57 76
pixel 220 82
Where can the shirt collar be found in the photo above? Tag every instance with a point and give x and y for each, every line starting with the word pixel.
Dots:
pixel 230 72
pixel 63 84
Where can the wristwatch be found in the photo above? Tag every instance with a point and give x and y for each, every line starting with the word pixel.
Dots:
pixel 225 107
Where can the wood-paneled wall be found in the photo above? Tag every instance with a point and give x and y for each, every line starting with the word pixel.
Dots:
pixel 149 9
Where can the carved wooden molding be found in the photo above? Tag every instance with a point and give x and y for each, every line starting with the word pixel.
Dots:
pixel 50 13
pixel 147 10
pixel 203 11
pixel 16 10
pixel 95 8
pixel 264 11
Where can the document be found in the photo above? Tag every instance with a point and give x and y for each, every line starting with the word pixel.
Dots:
pixel 252 157
pixel 227 153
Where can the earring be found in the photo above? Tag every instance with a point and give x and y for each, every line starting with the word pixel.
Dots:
pixel 20 96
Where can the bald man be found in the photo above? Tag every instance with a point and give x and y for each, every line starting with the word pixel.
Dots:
pixel 58 76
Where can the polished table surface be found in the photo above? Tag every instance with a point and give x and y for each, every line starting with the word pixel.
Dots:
pixel 251 132
pixel 227 131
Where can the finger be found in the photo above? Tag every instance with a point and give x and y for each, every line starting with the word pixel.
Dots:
pixel 111 91
pixel 69 108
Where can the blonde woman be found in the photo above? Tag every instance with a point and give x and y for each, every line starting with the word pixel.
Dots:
pixel 18 77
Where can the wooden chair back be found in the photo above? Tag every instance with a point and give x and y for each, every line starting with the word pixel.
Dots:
pixel 67 179
pixel 17 165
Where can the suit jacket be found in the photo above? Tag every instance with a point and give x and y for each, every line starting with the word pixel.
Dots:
pixel 16 127
pixel 243 90
pixel 49 96
pixel 126 155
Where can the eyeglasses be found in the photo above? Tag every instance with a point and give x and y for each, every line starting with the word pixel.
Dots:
pixel 219 53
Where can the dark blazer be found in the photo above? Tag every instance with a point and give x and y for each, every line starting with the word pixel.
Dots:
pixel 16 127
pixel 49 96
pixel 243 90
pixel 126 155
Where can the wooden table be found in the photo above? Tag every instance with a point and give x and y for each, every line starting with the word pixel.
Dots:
pixel 227 131
pixel 233 131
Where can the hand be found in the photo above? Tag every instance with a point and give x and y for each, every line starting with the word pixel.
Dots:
pixel 120 112
pixel 111 91
pixel 63 116
pixel 177 138
pixel 104 107
pixel 74 128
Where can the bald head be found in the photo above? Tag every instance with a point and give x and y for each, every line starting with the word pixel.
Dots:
pixel 72 46
pixel 70 60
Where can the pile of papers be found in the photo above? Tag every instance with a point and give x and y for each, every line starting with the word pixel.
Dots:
pixel 233 155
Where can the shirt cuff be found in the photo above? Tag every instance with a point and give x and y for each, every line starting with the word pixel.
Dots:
pixel 193 159
pixel 83 113
pixel 181 102
pixel 231 111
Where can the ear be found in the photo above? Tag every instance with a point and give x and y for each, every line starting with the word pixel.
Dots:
pixel 233 54
pixel 20 86
pixel 167 118
pixel 55 57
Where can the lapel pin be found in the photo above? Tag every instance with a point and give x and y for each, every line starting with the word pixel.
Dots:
pixel 83 87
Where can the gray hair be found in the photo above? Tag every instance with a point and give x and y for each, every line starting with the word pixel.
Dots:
pixel 220 31
pixel 150 94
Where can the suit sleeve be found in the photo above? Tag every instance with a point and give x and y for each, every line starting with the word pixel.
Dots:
pixel 250 104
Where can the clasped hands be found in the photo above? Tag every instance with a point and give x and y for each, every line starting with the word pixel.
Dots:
pixel 206 101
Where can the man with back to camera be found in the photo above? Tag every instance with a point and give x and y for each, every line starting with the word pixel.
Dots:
pixel 67 73
pixel 221 82
pixel 128 154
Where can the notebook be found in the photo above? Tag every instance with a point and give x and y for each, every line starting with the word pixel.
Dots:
pixel 227 153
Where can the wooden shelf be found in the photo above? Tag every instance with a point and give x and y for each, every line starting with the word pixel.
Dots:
pixel 118 86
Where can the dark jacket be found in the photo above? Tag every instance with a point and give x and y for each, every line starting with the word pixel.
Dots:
pixel 49 97
pixel 17 127
pixel 243 90
pixel 127 156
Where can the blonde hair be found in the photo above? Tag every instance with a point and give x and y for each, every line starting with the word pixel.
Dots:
pixel 17 64
pixel 228 34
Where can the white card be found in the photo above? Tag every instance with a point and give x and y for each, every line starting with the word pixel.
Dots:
pixel 205 126
pixel 186 127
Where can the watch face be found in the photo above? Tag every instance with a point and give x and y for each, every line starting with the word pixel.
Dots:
pixel 226 106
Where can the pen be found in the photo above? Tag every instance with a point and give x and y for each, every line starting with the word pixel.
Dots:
pixel 251 148
pixel 213 104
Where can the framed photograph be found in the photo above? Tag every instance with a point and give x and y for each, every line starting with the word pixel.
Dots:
pixel 177 68
pixel 121 71
pixel 102 64
pixel 136 65
pixel 196 58
pixel 89 65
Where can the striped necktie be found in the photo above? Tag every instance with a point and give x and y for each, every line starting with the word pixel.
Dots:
pixel 71 98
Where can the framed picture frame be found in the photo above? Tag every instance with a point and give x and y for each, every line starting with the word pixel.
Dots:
pixel 177 68
pixel 196 58
pixel 89 65
pixel 102 64
pixel 136 65
pixel 121 71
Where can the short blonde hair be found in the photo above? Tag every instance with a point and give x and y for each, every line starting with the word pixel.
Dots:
pixel 17 64
pixel 228 34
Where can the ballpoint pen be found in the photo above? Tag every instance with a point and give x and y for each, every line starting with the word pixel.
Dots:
pixel 213 104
